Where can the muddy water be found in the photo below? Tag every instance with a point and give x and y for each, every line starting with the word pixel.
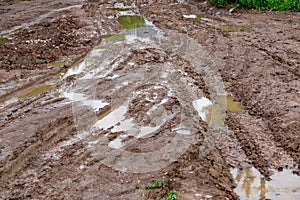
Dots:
pixel 141 96
pixel 214 113
pixel 251 185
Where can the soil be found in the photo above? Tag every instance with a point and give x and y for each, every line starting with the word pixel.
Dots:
pixel 43 155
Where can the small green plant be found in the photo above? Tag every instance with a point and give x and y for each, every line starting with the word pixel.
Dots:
pixel 171 195
pixel 137 186
pixel 156 184
pixel 3 40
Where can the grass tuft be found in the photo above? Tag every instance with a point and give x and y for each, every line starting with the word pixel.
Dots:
pixel 3 40
pixel 279 5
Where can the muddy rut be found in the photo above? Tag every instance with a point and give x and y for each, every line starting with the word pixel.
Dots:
pixel 98 98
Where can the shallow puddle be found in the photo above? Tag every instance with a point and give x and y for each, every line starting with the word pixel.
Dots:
pixel 95 104
pixel 59 63
pixel 35 91
pixel 131 21
pixel 251 185
pixel 8 102
pixel 214 113
pixel 114 37
pixel 193 16
pixel 91 58
pixel 236 28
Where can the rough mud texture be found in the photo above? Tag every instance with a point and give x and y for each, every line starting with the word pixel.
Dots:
pixel 46 155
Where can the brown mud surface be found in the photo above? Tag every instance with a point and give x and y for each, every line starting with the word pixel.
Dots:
pixel 46 150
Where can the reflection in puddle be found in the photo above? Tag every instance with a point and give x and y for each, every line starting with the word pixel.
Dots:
pixel 131 21
pixel 190 16
pixel 200 105
pixel 8 102
pixel 251 185
pixel 114 37
pixel 88 61
pixel 35 91
pixel 182 130
pixel 214 113
pixel 112 118
pixel 95 104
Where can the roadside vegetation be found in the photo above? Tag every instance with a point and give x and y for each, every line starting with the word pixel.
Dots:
pixel 279 5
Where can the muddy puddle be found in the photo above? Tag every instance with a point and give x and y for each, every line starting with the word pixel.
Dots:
pixel 215 113
pixel 251 185
pixel 144 95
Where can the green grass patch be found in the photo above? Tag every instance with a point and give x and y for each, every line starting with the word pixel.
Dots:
pixel 156 184
pixel 131 21
pixel 3 40
pixel 171 195
pixel 114 37
pixel 279 5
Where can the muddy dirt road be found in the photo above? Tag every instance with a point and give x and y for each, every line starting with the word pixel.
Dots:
pixel 130 100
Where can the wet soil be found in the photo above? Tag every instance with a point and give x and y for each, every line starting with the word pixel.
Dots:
pixel 45 154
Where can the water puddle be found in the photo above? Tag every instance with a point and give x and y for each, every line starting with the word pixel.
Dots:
pixel 96 105
pixel 8 102
pixel 129 22
pixel 194 16
pixel 113 118
pixel 35 91
pixel 214 113
pixel 182 130
pixel 115 73
pixel 60 63
pixel 143 33
pixel 236 28
pixel 114 37
pixel 251 185
pixel 91 58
